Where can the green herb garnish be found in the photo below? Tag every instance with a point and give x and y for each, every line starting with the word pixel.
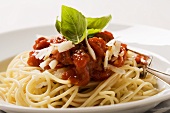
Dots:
pixel 74 26
pixel 98 23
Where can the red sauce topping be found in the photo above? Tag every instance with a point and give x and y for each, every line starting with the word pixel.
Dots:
pixel 32 61
pixel 98 45
pixel 81 68
pixel 106 36
pixel 141 59
pixel 64 57
pixel 57 40
pixel 41 43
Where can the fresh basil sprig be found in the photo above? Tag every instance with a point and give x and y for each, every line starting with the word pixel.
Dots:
pixel 58 25
pixel 74 26
pixel 98 23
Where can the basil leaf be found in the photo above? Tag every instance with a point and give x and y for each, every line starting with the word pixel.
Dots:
pixel 73 24
pixel 98 23
pixel 58 25
pixel 93 31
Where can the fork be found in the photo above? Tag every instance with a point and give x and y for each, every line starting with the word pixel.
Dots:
pixel 164 76
pixel 147 69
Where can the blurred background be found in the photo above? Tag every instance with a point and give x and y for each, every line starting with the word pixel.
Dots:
pixel 18 14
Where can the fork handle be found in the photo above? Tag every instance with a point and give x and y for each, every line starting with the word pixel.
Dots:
pixel 164 76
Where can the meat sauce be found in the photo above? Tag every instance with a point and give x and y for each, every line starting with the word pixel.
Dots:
pixel 81 68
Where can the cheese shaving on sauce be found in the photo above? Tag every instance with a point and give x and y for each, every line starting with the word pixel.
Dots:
pixel 64 46
pixel 111 42
pixel 91 51
pixel 45 63
pixel 53 64
pixel 106 59
pixel 43 53
pixel 117 48
pixel 116 45
pixel 113 50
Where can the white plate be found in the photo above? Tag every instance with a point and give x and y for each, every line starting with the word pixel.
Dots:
pixel 18 41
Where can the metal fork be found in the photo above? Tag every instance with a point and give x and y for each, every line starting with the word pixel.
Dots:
pixel 147 69
pixel 164 76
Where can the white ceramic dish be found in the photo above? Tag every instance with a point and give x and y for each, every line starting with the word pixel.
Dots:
pixel 15 42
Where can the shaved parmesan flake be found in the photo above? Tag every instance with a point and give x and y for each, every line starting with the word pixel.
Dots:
pixel 91 51
pixel 43 53
pixel 39 54
pixel 106 59
pixel 64 46
pixel 41 85
pixel 111 42
pixel 116 45
pixel 116 69
pixel 117 48
pixel 53 64
pixel 111 52
pixel 50 49
pixel 45 63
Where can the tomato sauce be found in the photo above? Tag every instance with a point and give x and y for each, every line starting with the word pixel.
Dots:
pixel 141 59
pixel 81 68
pixel 98 45
pixel 41 43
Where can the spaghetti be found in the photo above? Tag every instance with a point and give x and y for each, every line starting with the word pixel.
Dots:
pixel 29 86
